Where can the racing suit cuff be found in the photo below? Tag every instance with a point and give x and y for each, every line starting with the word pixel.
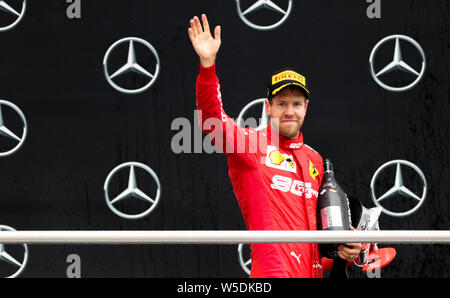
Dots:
pixel 207 73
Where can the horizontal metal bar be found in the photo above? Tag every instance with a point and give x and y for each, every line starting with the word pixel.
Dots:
pixel 222 237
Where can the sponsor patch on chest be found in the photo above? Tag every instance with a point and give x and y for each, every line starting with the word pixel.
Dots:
pixel 296 187
pixel 277 160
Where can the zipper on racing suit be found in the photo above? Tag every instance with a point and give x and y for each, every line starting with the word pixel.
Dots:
pixel 316 264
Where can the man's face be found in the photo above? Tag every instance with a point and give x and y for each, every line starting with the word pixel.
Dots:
pixel 287 111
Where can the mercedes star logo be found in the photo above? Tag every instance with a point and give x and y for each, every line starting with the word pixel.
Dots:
pixel 399 188
pixel 245 265
pixel 266 4
pixel 132 190
pixel 131 65
pixel 5 8
pixel 397 63
pixel 5 257
pixel 264 118
pixel 5 132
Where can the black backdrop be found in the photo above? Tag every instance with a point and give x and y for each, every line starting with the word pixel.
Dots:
pixel 80 128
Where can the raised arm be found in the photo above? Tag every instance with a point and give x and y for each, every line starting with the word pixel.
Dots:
pixel 225 134
pixel 203 42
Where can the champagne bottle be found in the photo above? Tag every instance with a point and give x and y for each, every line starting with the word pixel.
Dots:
pixel 333 213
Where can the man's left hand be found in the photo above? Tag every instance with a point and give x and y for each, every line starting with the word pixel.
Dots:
pixel 349 251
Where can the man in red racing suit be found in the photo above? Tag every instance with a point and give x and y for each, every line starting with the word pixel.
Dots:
pixel 275 176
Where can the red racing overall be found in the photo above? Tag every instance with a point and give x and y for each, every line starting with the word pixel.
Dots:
pixel 276 183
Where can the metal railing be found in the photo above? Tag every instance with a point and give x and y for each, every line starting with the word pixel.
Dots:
pixel 223 237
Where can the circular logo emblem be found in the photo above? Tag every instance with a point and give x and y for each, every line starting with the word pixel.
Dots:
pixel 9 12
pixel 397 63
pixel 264 120
pixel 8 259
pixel 399 188
pixel 264 4
pixel 7 133
pixel 131 65
pixel 245 265
pixel 132 190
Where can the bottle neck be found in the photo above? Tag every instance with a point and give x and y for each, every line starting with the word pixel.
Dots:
pixel 328 168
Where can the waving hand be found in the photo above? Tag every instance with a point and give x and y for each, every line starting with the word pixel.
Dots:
pixel 203 42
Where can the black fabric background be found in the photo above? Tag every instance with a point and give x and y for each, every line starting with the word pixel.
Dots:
pixel 80 128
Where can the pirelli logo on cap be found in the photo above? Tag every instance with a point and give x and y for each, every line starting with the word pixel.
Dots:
pixel 288 76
